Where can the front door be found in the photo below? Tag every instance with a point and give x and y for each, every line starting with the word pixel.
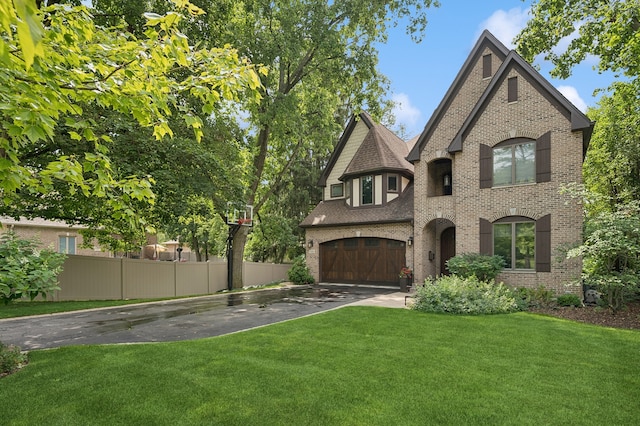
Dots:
pixel 447 248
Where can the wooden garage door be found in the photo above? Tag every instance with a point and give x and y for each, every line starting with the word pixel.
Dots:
pixel 362 261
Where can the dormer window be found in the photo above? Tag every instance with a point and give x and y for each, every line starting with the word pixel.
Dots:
pixel 366 190
pixel 392 183
pixel 337 190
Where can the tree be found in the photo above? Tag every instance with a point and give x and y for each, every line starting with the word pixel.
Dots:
pixel 603 28
pixel 611 253
pixel 322 62
pixel 612 166
pixel 57 64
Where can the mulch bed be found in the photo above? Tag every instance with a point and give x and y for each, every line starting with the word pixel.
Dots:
pixel 628 317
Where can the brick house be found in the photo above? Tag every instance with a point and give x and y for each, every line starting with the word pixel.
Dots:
pixel 483 176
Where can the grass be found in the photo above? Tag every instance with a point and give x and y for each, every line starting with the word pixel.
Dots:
pixel 351 366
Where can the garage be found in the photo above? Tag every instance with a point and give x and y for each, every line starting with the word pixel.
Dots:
pixel 362 261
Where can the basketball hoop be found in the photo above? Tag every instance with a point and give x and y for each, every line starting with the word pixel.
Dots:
pixel 239 214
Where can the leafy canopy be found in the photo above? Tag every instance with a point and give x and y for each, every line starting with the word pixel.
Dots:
pixel 56 62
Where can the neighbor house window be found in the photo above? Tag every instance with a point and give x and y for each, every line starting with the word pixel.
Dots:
pixel 486 66
pixel 337 190
pixel 514 164
pixel 67 244
pixel 392 183
pixel 516 243
pixel 366 190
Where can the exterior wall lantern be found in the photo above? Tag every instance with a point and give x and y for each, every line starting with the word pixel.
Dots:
pixel 410 241
pixel 310 243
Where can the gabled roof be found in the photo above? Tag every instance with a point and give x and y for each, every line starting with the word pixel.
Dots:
pixel 367 120
pixel 486 40
pixel 579 121
pixel 380 150
pixel 338 213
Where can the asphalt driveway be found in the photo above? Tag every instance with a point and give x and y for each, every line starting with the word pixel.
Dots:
pixel 181 319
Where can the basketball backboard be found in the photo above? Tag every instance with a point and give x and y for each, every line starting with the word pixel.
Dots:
pixel 239 214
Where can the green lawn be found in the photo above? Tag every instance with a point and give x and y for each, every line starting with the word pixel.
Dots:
pixel 351 366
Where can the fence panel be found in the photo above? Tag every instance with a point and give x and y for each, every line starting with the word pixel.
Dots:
pixel 90 278
pixel 192 278
pixel 255 273
pixel 143 279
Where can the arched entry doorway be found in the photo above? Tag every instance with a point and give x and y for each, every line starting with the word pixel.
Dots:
pixel 447 248
pixel 438 246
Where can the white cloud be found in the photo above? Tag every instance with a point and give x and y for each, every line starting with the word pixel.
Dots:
pixel 505 25
pixel 405 113
pixel 572 95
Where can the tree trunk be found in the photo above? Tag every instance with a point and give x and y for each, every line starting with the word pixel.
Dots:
pixel 239 241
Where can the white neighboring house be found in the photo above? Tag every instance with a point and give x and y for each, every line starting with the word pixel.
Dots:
pixel 56 235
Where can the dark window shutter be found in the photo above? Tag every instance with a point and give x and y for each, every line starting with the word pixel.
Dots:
pixel 486 237
pixel 543 158
pixel 486 66
pixel 486 166
pixel 543 244
pixel 512 88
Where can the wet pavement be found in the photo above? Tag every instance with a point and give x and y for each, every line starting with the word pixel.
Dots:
pixel 186 319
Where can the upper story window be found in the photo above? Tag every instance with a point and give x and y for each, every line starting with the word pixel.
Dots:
pixel 392 183
pixel 512 89
pixel 514 164
pixel 337 190
pixel 366 190
pixel 67 244
pixel 486 66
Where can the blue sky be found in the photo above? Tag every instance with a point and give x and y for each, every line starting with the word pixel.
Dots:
pixel 418 83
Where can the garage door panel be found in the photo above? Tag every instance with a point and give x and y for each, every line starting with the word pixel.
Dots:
pixel 362 260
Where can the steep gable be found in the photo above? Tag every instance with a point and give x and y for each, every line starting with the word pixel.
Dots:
pixel 579 121
pixel 362 119
pixel 486 42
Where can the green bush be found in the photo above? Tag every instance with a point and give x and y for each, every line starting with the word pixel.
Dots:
pixel 26 271
pixel 540 297
pixel 457 295
pixel 10 358
pixel 299 273
pixel 568 299
pixel 483 267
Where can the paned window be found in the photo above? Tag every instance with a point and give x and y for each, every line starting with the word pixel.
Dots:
pixel 514 164
pixel 366 190
pixel 67 245
pixel 516 243
pixel 337 190
pixel 392 183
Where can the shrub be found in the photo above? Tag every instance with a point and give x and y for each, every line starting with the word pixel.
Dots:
pixel 25 270
pixel 483 267
pixel 299 273
pixel 540 297
pixel 568 299
pixel 457 295
pixel 10 358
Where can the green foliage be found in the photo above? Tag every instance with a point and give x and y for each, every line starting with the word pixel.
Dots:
pixel 569 299
pixel 57 64
pixel 539 297
pixel 483 267
pixel 299 273
pixel 26 271
pixel 10 358
pixel 611 253
pixel 457 295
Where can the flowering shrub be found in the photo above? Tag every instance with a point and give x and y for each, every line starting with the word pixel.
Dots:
pixel 406 272
pixel 456 295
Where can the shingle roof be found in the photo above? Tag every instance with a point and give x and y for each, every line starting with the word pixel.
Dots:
pixel 380 150
pixel 338 213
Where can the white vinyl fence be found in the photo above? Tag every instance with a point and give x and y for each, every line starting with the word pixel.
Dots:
pixel 99 278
